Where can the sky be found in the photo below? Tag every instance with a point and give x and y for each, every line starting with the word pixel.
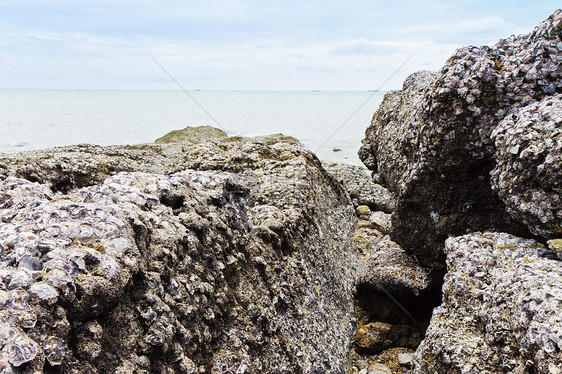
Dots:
pixel 282 45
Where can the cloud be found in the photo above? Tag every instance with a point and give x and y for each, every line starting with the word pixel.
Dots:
pixel 86 60
pixel 364 48
pixel 240 44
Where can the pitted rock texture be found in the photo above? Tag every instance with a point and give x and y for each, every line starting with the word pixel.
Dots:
pixel 432 141
pixel 361 188
pixel 66 168
pixel 244 267
pixel 390 144
pixel 192 135
pixel 501 310
pixel 528 173
pixel 388 268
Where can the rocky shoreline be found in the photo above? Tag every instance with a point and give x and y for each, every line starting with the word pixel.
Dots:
pixel 207 254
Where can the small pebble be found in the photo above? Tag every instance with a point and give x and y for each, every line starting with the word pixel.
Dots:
pixel 381 221
pixel 363 210
pixel 405 359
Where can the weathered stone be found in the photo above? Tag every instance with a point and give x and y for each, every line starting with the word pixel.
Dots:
pixel 361 188
pixel 378 369
pixel 389 268
pixel 363 211
pixel 66 168
pixel 381 221
pixel 405 359
pixel 230 268
pixel 192 135
pixel 432 145
pixel 500 312
pixel 390 144
pixel 528 173
pixel 377 336
pixel 556 246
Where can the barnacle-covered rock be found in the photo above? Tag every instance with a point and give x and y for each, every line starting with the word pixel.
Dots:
pixel 390 145
pixel 432 142
pixel 66 168
pixel 501 309
pixel 361 188
pixel 389 269
pixel 245 265
pixel 528 173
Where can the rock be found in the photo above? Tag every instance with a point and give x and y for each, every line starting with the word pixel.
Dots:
pixel 66 168
pixel 363 211
pixel 192 135
pixel 390 144
pixel 381 221
pixel 556 246
pixel 378 369
pixel 405 359
pixel 500 311
pixel 361 188
pixel 389 268
pixel 528 171
pixel 432 142
pixel 216 257
pixel 378 336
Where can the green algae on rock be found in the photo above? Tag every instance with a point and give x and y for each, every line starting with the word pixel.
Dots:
pixel 192 135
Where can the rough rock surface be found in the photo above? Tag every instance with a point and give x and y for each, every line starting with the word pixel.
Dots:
pixel 192 135
pixel 361 188
pixel 393 301
pixel 528 173
pixel 240 263
pixel 432 142
pixel 389 269
pixel 83 165
pixel 390 144
pixel 377 336
pixel 501 310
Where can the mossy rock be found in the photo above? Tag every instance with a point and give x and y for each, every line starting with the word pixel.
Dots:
pixel 192 135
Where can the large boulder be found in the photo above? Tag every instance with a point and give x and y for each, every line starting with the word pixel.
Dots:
pixel 501 309
pixel 432 142
pixel 225 257
pixel 528 173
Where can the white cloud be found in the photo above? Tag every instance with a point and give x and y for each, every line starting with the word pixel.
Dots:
pixel 236 44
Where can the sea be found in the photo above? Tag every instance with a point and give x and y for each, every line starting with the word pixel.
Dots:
pixel 331 124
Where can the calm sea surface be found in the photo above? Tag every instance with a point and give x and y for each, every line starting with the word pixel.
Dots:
pixel 36 119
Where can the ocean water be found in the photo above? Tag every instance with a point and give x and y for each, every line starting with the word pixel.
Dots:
pixel 37 119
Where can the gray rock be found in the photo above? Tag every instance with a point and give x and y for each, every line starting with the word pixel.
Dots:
pixel 381 221
pixel 528 172
pixel 192 135
pixel 361 188
pixel 405 359
pixel 66 168
pixel 500 310
pixel 390 144
pixel 229 268
pixel 556 246
pixel 389 268
pixel 375 337
pixel 432 143
pixel 376 369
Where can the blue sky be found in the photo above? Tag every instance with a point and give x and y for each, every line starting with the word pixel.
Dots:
pixel 244 44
